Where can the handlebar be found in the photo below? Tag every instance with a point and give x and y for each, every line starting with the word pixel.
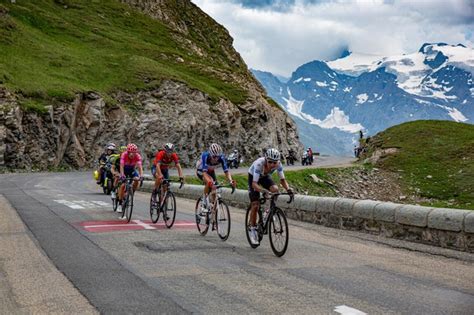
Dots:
pixel 269 195
pixel 173 181
pixel 224 186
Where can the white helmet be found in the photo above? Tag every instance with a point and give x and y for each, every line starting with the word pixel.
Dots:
pixel 215 149
pixel 168 147
pixel 272 154
pixel 111 146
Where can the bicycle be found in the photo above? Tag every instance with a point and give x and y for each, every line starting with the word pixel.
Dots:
pixel 167 204
pixel 127 201
pixel 207 215
pixel 274 221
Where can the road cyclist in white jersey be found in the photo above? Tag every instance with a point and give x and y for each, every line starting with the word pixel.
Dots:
pixel 260 179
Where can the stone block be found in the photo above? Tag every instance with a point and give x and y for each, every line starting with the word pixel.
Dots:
pixel 343 207
pixel 385 211
pixel 364 209
pixel 325 204
pixel 446 219
pixel 469 222
pixel 413 215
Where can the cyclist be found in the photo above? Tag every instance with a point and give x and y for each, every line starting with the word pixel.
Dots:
pixel 162 162
pixel 110 149
pixel 260 178
pixel 114 161
pixel 205 169
pixel 129 161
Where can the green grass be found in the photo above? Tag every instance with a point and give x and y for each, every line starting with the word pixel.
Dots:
pixel 299 180
pixel 435 157
pixel 50 52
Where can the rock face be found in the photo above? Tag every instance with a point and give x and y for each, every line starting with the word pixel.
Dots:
pixel 73 135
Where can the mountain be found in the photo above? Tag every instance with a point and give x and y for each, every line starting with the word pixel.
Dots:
pixel 75 75
pixel 372 93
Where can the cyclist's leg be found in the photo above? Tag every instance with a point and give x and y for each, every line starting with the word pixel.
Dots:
pixel 157 179
pixel 166 175
pixel 136 179
pixel 254 197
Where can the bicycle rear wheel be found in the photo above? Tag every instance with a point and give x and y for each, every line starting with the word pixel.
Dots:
pixel 115 203
pixel 202 219
pixel 247 228
pixel 278 230
pixel 223 220
pixel 169 209
pixel 154 208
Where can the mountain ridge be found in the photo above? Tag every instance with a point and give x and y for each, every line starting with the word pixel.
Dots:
pixel 381 92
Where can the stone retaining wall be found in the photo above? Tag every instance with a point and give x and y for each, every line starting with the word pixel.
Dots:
pixel 450 228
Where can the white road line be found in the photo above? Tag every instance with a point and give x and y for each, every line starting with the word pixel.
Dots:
pixel 144 225
pixel 346 310
pixel 69 204
pixel 131 224
pixel 101 203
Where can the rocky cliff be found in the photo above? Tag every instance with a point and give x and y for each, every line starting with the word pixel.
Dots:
pixel 72 133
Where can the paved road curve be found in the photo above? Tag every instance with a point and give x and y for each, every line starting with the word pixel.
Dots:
pixel 155 270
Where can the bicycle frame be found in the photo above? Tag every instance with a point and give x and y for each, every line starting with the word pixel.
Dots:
pixel 266 224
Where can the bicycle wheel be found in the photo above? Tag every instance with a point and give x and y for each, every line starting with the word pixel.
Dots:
pixel 202 219
pixel 247 228
pixel 169 209
pixel 115 202
pixel 154 211
pixel 278 230
pixel 223 220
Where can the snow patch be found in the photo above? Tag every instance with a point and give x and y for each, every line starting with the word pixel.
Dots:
pixel 347 89
pixel 298 80
pixel 336 119
pixel 362 98
pixel 307 79
pixel 321 84
pixel 454 113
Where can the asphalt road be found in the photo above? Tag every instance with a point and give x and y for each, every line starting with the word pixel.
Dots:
pixel 156 270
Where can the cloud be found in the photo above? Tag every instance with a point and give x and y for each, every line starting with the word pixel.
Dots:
pixel 279 36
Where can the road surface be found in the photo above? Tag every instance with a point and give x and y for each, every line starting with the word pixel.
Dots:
pixel 143 268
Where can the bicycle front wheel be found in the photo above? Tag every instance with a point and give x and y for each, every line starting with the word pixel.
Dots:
pixel 169 209
pixel 154 211
pixel 202 218
pixel 223 220
pixel 127 212
pixel 248 225
pixel 278 230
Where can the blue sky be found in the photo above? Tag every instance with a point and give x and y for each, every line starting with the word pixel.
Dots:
pixel 278 35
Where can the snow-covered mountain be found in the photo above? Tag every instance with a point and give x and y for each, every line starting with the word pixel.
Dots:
pixel 331 101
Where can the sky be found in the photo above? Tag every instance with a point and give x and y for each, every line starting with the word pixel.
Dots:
pixel 278 36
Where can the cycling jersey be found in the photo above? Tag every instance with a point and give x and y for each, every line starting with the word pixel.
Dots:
pixel 165 162
pixel 257 169
pixel 125 160
pixel 114 160
pixel 205 164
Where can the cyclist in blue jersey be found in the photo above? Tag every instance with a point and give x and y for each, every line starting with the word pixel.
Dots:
pixel 206 165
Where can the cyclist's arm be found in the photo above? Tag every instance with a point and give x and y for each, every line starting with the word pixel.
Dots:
pixel 204 162
pixel 122 164
pixel 158 170
pixel 180 170
pixel 281 175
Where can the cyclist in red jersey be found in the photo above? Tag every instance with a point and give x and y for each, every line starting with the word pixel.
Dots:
pixel 163 160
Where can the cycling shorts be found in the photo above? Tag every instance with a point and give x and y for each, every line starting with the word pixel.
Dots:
pixel 264 181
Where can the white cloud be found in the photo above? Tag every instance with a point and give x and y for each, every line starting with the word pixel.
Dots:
pixel 279 38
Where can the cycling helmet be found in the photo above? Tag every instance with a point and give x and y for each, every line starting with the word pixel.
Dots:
pixel 123 148
pixel 215 149
pixel 132 148
pixel 111 146
pixel 272 155
pixel 168 147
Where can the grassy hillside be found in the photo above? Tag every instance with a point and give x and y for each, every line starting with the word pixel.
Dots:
pixel 52 49
pixel 435 160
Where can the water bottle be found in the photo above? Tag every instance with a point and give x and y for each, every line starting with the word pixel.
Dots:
pixel 266 212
